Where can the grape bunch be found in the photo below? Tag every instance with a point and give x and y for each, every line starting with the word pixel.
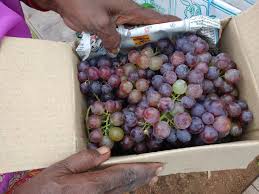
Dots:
pixel 163 95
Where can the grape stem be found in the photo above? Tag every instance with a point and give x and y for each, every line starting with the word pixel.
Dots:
pixel 97 98
pixel 86 118
pixel 107 124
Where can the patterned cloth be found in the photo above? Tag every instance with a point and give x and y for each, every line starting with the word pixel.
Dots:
pixel 9 181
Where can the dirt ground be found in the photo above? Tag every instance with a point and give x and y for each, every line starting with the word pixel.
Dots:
pixel 221 182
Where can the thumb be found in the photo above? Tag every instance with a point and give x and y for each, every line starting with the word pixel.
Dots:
pixel 84 160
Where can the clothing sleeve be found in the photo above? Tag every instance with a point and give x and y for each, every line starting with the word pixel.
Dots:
pixel 32 4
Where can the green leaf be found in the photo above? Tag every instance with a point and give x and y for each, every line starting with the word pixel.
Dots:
pixel 147 6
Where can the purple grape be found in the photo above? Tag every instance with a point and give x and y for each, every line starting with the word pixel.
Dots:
pixel 82 77
pixel 209 135
pixel 205 57
pixel 130 119
pixel 153 145
pixel 246 116
pixel 172 137
pixel 96 136
pixel 126 129
pixel 161 130
pixel 165 90
pixel 191 60
pixel 232 76
pixel 197 110
pixel 196 126
pixel 117 119
pixel 96 87
pixel 163 44
pixel 227 98
pixel 93 73
pixel 195 77
pixel 213 73
pixel 170 77
pixel 203 67
pixel 166 104
pixel 226 88
pixel 140 148
pixel 208 118
pixel 137 134
pixel 178 108
pixel 94 122
pixel 222 61
pixel 150 74
pixel 182 71
pixel 106 89
pixel 93 62
pixel 183 136
pixel 107 97
pixel 201 46
pixel 142 73
pixel 110 106
pixel 85 87
pixel 218 82
pixel 135 97
pixel 166 67
pixel 127 143
pixel 157 81
pixel 104 61
pixel 216 107
pixel 106 141
pixel 242 104
pixel 207 86
pixel 133 76
pixel 182 120
pixel 114 81
pixel 188 102
pixel 188 47
pixel 139 112
pixel 83 66
pixel 234 110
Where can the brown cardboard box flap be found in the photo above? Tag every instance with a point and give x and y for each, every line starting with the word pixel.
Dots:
pixel 38 107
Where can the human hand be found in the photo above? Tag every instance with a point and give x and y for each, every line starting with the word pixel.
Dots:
pixel 101 16
pixel 78 175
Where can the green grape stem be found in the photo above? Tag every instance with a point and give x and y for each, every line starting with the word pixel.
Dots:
pixel 106 123
pixel 86 119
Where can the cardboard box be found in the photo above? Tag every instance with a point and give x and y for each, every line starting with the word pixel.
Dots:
pixel 42 111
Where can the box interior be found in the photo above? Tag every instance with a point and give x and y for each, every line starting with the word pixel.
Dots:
pixel 42 110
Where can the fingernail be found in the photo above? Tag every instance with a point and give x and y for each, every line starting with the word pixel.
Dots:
pixel 159 170
pixel 153 181
pixel 103 150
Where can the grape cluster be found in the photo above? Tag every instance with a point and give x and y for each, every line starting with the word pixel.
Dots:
pixel 162 96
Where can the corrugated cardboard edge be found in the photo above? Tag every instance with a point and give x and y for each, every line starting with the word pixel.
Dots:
pixel 201 158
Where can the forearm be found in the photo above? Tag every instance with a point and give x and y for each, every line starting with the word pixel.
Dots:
pixel 42 5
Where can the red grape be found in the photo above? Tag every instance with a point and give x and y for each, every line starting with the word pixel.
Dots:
pixel 117 119
pixel 223 125
pixel 94 122
pixel 143 61
pixel 133 76
pixel 114 81
pixel 194 90
pixel 93 73
pixel 97 108
pixel 170 77
pixel 195 77
pixel 105 73
pixel 166 104
pixel 135 96
pixel 119 71
pixel 155 63
pixel 207 86
pixel 161 130
pixel 216 107
pixel 96 136
pixel 209 135
pixel 128 68
pixel 132 56
pixel 218 82
pixel 205 57
pixel 151 115
pixel 232 76
pixel 126 87
pixel 153 98
pixel 203 67
pixel 142 85
pixel 182 120
pixel 140 148
pixel 201 46
pixel 177 58
pixel 110 106
pixel 148 51
pixel 104 61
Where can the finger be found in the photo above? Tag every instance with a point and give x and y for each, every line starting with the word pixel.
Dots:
pixel 105 29
pixel 141 16
pixel 124 177
pixel 83 160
